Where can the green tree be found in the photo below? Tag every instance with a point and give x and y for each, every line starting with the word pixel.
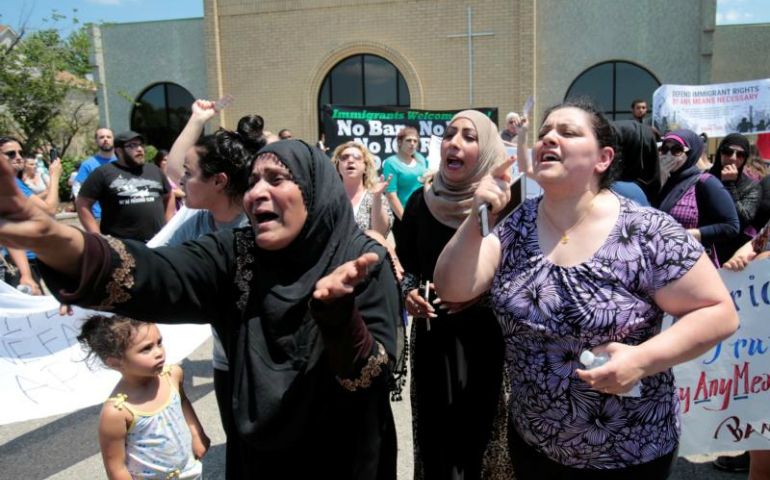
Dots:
pixel 40 72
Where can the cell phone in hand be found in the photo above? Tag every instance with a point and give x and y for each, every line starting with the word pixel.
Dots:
pixel 223 102
pixel 53 154
pixel 517 198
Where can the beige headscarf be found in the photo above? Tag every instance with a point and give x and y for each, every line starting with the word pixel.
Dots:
pixel 450 202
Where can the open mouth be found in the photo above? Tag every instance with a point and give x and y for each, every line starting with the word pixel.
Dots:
pixel 454 163
pixel 549 157
pixel 265 217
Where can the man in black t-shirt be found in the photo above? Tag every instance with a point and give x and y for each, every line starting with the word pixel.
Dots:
pixel 135 197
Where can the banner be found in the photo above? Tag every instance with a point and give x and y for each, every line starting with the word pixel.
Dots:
pixel 43 369
pixel 377 127
pixel 725 393
pixel 716 109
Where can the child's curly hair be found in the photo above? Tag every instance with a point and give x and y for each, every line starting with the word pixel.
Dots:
pixel 104 337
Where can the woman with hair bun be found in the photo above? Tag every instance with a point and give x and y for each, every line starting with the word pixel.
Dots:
pixel 215 178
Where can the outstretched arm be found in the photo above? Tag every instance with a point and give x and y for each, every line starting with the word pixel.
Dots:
pixel 202 112
pixel 24 225
pixel 19 258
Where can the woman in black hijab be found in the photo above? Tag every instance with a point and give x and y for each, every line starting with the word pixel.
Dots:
pixel 746 193
pixel 317 301
pixel 639 154
pixel 695 199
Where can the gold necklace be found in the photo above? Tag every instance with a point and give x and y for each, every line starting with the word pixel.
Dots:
pixel 565 235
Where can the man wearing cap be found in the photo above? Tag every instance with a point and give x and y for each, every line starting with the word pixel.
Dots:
pixel 135 197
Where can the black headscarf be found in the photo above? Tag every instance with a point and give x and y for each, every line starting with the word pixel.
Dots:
pixel 731 139
pixel 639 154
pixel 681 180
pixel 279 377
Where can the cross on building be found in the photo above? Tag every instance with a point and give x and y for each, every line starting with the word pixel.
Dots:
pixel 470 36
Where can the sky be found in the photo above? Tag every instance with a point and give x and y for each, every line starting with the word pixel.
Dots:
pixel 33 12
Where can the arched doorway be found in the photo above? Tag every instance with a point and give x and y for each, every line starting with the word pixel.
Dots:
pixel 161 113
pixel 613 86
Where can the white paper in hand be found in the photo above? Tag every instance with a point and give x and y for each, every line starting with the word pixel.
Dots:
pixel 528 106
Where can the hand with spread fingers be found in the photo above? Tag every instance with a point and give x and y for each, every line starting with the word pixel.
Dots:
pixel 383 184
pixel 344 279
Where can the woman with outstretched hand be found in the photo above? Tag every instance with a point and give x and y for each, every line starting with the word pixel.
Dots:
pixel 581 268
pixel 316 302
pixel 355 165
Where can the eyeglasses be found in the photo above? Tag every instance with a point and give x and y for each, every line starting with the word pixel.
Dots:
pixel 133 146
pixel 351 156
pixel 675 149
pixel 727 151
pixel 12 153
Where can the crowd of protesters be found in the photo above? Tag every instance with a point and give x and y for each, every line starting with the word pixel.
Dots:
pixel 291 261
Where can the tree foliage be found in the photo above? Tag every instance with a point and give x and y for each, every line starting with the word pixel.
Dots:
pixel 40 73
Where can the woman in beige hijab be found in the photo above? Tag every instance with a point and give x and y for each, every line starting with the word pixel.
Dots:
pixel 457 349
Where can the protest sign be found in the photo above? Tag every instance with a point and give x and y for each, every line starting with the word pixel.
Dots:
pixel 43 372
pixel 725 392
pixel 376 127
pixel 716 109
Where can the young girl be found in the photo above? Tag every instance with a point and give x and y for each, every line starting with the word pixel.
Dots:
pixel 148 428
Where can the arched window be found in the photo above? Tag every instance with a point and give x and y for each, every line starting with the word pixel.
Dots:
pixel 161 113
pixel 613 86
pixel 364 80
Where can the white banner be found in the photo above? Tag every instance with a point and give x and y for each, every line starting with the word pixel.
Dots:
pixel 725 393
pixel 43 372
pixel 716 109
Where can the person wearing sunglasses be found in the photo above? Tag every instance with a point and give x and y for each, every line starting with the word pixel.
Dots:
pixel 12 152
pixel 355 165
pixel 697 200
pixel 746 193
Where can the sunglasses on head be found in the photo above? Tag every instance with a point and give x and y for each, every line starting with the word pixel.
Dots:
pixel 675 149
pixel 729 152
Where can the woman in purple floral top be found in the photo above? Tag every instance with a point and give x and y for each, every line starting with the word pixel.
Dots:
pixel 581 268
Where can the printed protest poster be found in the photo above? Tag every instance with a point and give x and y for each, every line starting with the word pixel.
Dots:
pixel 725 393
pixel 377 127
pixel 43 372
pixel 716 109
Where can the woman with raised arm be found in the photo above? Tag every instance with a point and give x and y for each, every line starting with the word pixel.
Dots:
pixel 216 172
pixel 316 303
pixel 582 268
pixel 457 349
pixel 356 168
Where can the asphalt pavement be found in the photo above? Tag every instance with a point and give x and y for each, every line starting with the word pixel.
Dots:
pixel 66 447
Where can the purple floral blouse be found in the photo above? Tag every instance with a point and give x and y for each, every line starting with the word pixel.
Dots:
pixel 550 313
